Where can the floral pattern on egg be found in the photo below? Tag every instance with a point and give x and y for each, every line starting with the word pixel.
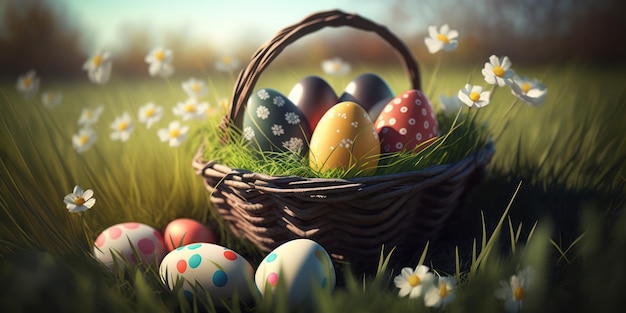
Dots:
pixel 273 123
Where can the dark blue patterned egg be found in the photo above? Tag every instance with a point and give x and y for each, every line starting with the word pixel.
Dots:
pixel 272 123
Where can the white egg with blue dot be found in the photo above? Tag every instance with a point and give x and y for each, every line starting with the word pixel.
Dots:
pixel 302 265
pixel 204 266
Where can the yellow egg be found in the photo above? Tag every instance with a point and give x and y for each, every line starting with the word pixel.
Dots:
pixel 345 138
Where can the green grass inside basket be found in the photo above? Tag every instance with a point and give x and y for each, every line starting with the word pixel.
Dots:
pixel 460 136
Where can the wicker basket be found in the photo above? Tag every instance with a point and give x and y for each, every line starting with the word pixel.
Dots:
pixel 352 218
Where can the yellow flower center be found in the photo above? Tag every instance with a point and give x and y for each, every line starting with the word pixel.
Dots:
pixel 97 60
pixel 443 38
pixel 443 291
pixel 498 71
pixel 149 112
pixel 83 139
pixel 88 114
pixel 518 293
pixel 474 96
pixel 190 108
pixel 414 280
pixel 159 55
pixel 79 201
pixel 122 126
pixel 174 133
pixel 195 87
pixel 28 81
pixel 226 60
pixel 525 87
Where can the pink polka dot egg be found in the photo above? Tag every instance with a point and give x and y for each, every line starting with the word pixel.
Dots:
pixel 134 242
pixel 219 271
pixel 303 265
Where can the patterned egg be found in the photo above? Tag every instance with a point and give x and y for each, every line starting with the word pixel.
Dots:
pixel 126 238
pixel 314 96
pixel 370 91
pixel 345 138
pixel 273 123
pixel 219 271
pixel 406 122
pixel 183 231
pixel 302 265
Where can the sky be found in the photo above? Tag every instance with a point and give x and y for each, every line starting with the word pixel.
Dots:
pixel 222 23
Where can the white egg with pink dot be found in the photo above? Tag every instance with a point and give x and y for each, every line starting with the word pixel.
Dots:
pixel 303 265
pixel 210 268
pixel 134 242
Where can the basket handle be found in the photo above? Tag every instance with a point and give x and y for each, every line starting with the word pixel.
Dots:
pixel 267 53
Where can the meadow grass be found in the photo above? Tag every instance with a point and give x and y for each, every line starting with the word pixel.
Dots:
pixel 565 218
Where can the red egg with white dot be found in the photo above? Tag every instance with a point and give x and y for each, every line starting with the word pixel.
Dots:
pixel 131 243
pixel 183 231
pixel 407 123
pixel 219 271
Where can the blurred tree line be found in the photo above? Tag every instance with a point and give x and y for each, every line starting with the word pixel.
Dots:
pixel 33 36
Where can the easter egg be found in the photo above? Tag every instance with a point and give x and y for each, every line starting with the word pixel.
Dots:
pixel 370 91
pixel 183 231
pixel 345 138
pixel 210 268
pixel 273 123
pixel 314 96
pixel 302 265
pixel 135 242
pixel 406 122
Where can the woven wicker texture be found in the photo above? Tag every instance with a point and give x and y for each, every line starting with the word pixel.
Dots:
pixel 351 218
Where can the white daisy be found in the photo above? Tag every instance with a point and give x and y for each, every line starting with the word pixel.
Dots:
pixel 442 39
pixel 440 293
pixel 336 66
pixel 160 62
pixel 98 67
pixel 28 84
pixel 79 200
pixel 51 99
pixel 122 127
pixel 90 116
pixel 514 291
pixel 84 139
pixel 195 88
pixel 498 71
pixel 175 134
pixel 150 114
pixel 227 64
pixel 191 109
pixel 411 282
pixel 473 96
pixel 533 92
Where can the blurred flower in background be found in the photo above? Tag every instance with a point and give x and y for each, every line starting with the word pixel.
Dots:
pixel 227 64
pixel 531 91
pixel 90 116
pixel 450 104
pixel 84 139
pixel 442 39
pixel 195 88
pixel 122 127
pixel 336 66
pixel 160 62
pixel 98 67
pixel 441 293
pixel 28 84
pixel 175 134
pixel 514 291
pixel 191 109
pixel 150 114
pixel 51 99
